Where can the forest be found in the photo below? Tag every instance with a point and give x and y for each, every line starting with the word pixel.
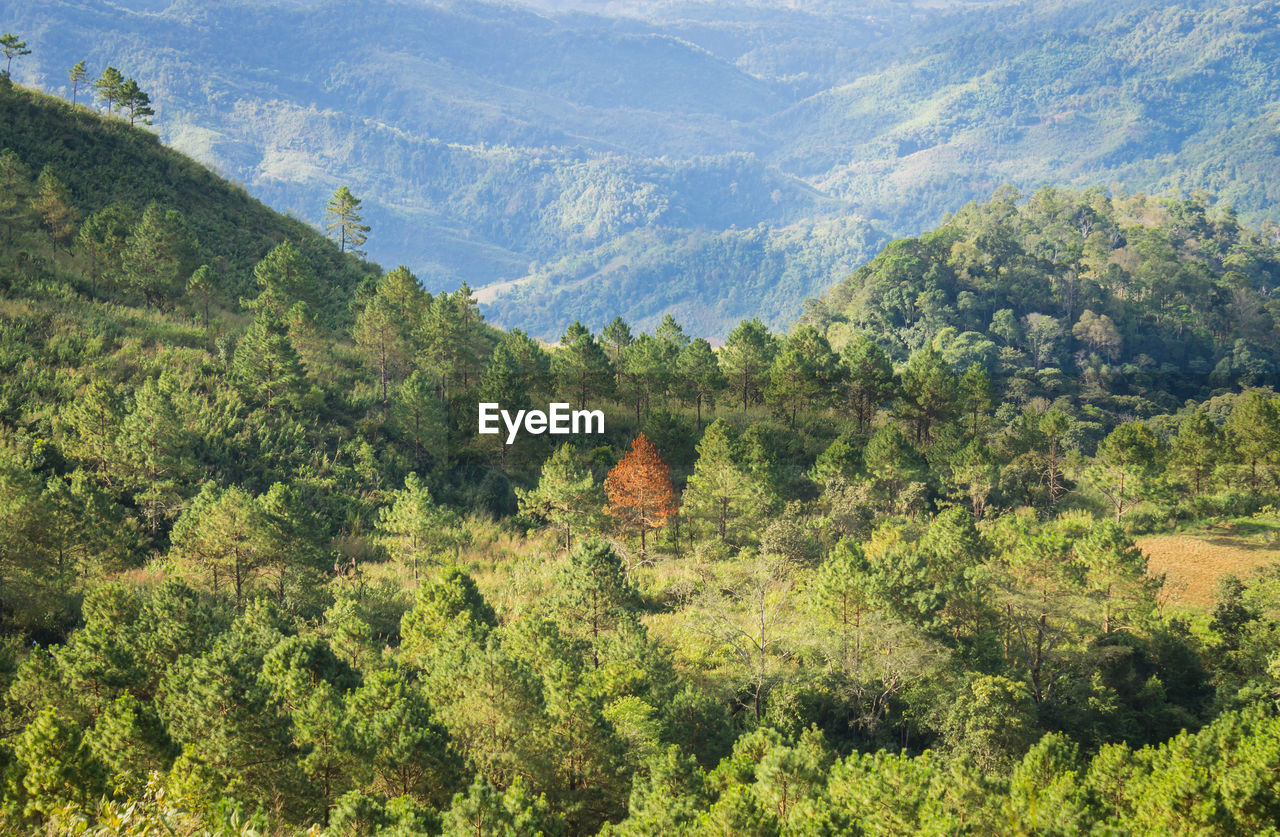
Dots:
pixel 881 572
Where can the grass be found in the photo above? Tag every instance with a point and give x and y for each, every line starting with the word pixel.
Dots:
pixel 1194 561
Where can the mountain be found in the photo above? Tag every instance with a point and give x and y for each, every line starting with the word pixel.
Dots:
pixel 703 159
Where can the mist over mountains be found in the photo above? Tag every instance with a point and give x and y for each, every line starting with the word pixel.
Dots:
pixel 711 160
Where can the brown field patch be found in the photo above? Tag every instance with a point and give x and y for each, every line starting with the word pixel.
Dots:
pixel 1193 564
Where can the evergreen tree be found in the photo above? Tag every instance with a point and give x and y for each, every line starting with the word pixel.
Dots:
pixel 52 204
pixel 1127 462
pixel 929 393
pixel 871 379
pixel 158 254
pixel 78 75
pixel 721 492
pixel 102 241
pixel 747 356
pixel 227 535
pixel 200 288
pixel 108 87
pixel 566 496
pixel 12 47
pixel 414 528
pixel 284 277
pixel 698 375
pixel 342 217
pixel 136 102
pixel 1198 450
pixel 581 366
pixel 266 364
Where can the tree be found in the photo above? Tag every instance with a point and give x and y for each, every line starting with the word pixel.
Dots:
pixel 227 534
pixel 52 203
pixel 414 527
pixel 12 48
pixel 265 362
pixel 580 365
pixel 108 87
pixel 15 191
pixel 78 76
pixel 645 371
pixel 200 288
pixel 284 278
pixel 158 254
pixel 929 393
pixel 1116 572
pixel 747 356
pixel 871 381
pixel 641 495
pixel 1054 424
pixel 1254 430
pixel 977 397
pixel 378 335
pixel 102 240
pixel 804 374
pixel 593 594
pixel 566 495
pixel 616 336
pixel 1126 463
pixel 844 590
pixel 721 492
pixel 342 216
pixel 698 375
pixel 1197 450
pixel 136 102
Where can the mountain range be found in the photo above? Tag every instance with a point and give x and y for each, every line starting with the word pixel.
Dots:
pixel 715 161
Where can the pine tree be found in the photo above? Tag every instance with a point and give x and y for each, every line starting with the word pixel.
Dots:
pixel 1197 450
pixel 566 495
pixel 158 254
pixel 284 278
pixel 78 76
pixel 136 102
pixel 102 240
pixel 747 356
pixel 200 288
pixel 698 376
pixel 108 87
pixel 414 528
pixel 871 379
pixel 52 203
pixel 1126 464
pixel 342 217
pixel 581 366
pixel 721 492
pixel 12 48
pixel 226 534
pixel 265 362
pixel 15 191
pixel 641 496
pixel 929 393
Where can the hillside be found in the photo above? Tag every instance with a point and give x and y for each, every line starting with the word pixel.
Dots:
pixel 528 150
pixel 261 573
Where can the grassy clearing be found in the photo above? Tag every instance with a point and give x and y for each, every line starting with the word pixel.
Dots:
pixel 1194 561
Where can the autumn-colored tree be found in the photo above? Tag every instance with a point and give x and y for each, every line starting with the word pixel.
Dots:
pixel 641 495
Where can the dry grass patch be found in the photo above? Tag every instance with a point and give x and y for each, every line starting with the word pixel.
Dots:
pixel 1193 564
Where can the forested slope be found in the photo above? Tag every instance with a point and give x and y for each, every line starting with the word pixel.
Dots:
pixel 260 574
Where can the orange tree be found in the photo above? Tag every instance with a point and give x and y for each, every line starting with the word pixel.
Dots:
pixel 641 495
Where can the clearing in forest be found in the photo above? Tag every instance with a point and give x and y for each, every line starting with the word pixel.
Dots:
pixel 1194 563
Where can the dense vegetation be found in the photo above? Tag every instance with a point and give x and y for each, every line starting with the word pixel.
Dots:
pixel 666 156
pixel 259 573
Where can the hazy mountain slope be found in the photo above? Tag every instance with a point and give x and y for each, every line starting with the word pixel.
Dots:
pixel 503 145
